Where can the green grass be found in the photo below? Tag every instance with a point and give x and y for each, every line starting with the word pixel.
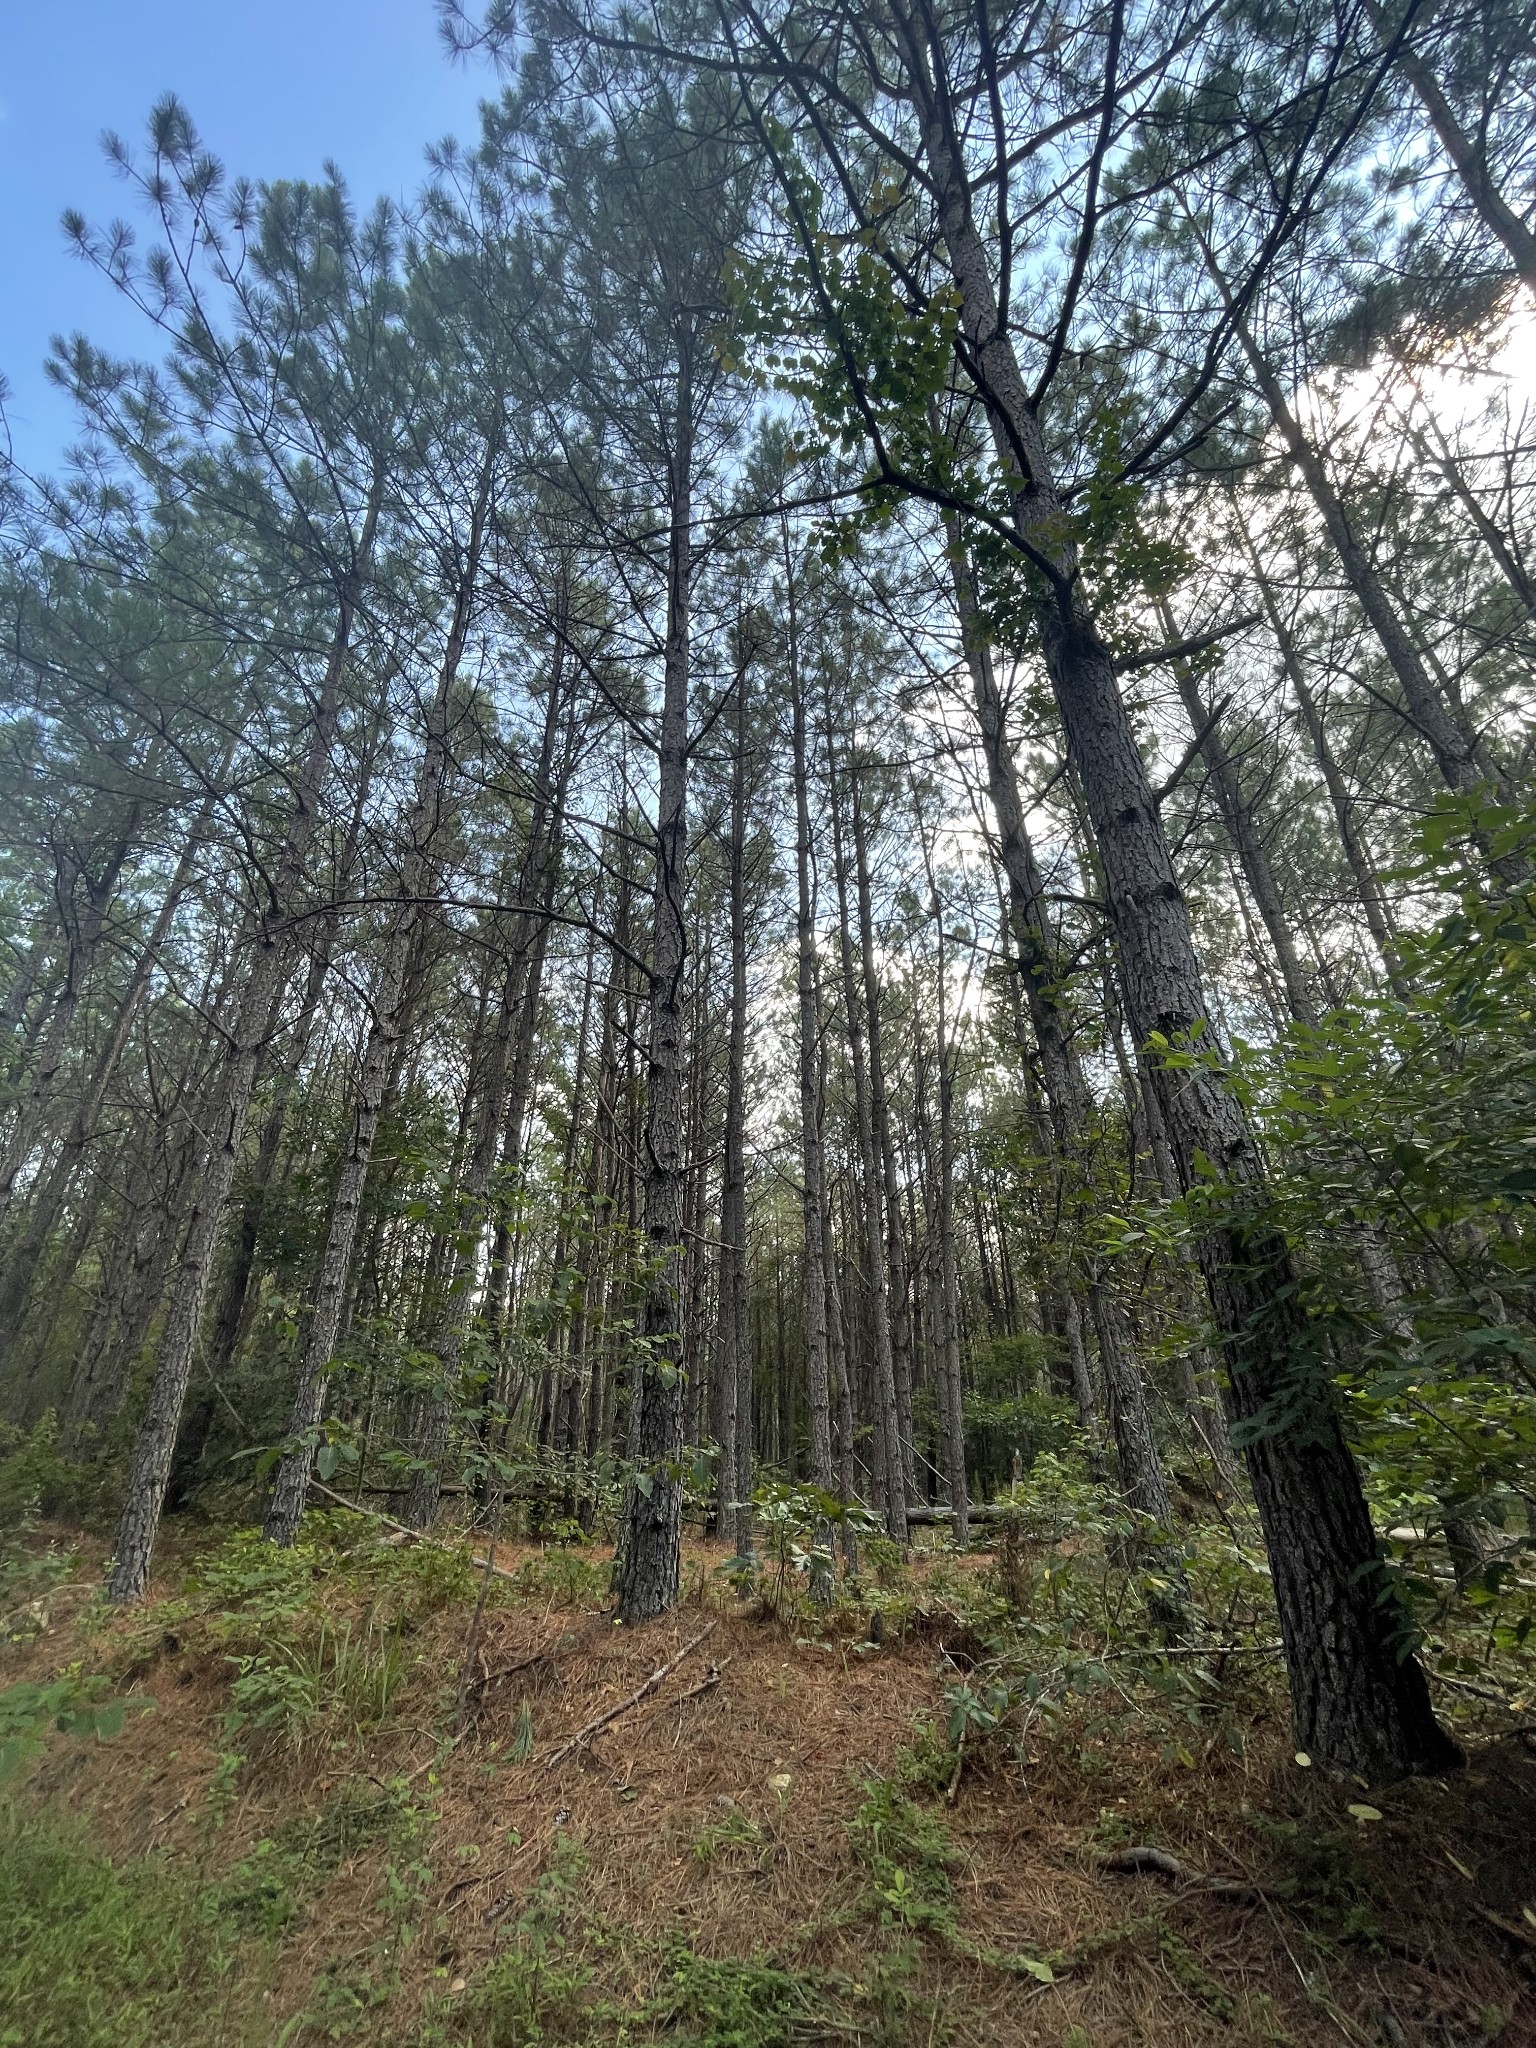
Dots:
pixel 99 1955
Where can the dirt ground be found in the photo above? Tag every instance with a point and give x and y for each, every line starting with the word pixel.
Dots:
pixel 719 1809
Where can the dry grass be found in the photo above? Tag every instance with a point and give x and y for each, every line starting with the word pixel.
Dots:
pixel 690 1830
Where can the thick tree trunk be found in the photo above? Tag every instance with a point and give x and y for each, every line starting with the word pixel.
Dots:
pixel 1360 1698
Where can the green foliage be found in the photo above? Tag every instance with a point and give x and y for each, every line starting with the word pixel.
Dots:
pixel 566 1576
pixel 304 1674
pixel 34 1479
pixel 267 1889
pixel 98 1955
pixel 728 2001
pixel 796 1525
pixel 735 1831
pixel 337 1681
pixel 909 1856
pixel 1321 1879
pixel 71 1704
pixel 27 1576
pixel 1406 1122
pixel 539 1989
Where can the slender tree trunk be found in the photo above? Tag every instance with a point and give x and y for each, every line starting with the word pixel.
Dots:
pixel 734 1349
pixel 391 997
pixel 54 1042
pixel 649 1559
pixel 1356 853
pixel 891 1492
pixel 880 1118
pixel 1423 705
pixel 812 1159
pixel 1469 157
pixel 48 1202
pixel 1236 815
pixel 1142 1479
pixel 129 1576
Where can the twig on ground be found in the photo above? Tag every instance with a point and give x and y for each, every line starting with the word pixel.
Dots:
pixel 1144 1860
pixel 584 1735
pixel 1510 1927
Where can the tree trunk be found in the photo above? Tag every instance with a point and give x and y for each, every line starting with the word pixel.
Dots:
pixel 1360 1699
pixel 1469 158
pixel 1253 856
pixel 812 1159
pixel 880 1118
pixel 890 1490
pixel 129 1576
pixel 48 1201
pixel 649 1559
pixel 389 1004
pixel 733 1351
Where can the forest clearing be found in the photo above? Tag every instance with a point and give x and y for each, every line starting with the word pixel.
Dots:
pixel 767 1045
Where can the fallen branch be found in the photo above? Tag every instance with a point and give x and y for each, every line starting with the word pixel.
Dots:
pixel 583 1736
pixel 482 1564
pixel 1143 1860
pixel 707 1683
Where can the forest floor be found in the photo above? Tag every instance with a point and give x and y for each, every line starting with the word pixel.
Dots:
pixel 323 1822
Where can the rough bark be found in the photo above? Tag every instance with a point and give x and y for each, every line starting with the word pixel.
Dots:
pixel 1359 1696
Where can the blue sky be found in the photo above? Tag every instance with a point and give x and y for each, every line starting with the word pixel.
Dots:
pixel 275 87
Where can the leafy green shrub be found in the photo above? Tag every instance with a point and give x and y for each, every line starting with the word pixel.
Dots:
pixel 728 2001
pixel 337 1680
pixel 909 1856
pixel 27 1576
pixel 303 1675
pixel 1020 1427
pixel 33 1477
pixel 70 1703
pixel 100 1955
